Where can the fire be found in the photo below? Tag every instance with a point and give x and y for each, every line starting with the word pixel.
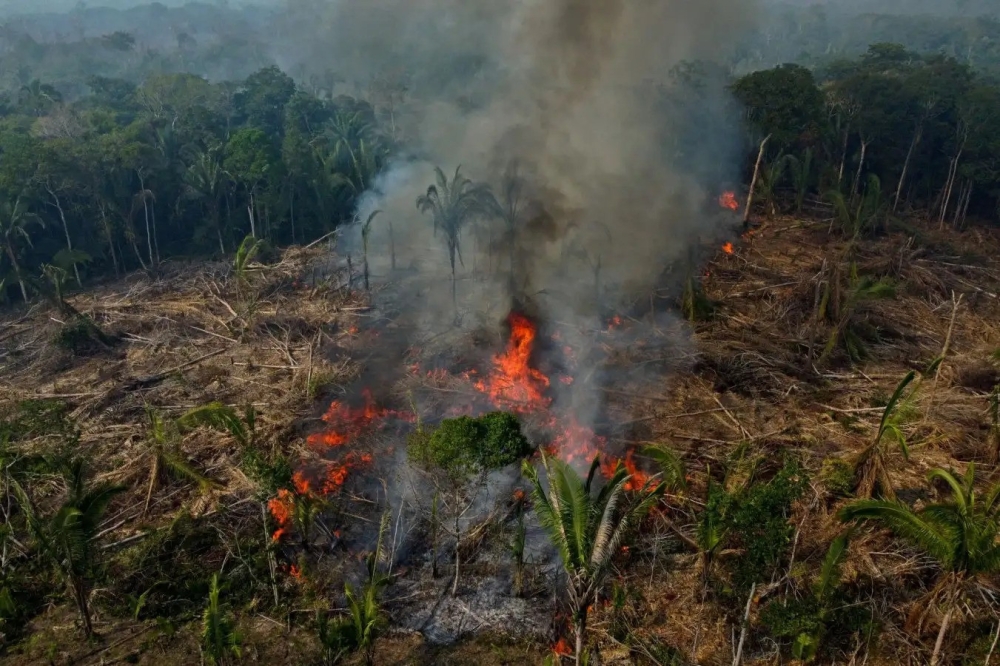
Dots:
pixel 514 383
pixel 281 507
pixel 576 443
pixel 615 322
pixel 728 248
pixel 562 648
pixel 346 424
pixel 728 200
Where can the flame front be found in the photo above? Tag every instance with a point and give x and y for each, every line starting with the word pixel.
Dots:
pixel 729 201
pixel 514 384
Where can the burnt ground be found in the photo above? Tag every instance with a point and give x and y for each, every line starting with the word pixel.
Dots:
pixel 747 378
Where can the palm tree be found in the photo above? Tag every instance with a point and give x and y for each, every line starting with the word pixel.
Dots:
pixel 587 530
pixel 206 179
pixel 67 537
pixel 453 205
pixel 166 456
pixel 218 636
pixel 14 224
pixel 870 467
pixel 961 534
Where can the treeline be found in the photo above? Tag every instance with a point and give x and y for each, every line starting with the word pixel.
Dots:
pixel 817 32
pixel 891 132
pixel 177 166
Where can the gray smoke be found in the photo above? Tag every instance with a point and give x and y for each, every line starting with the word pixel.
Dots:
pixel 568 89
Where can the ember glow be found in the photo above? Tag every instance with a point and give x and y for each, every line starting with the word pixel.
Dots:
pixel 728 200
pixel 514 384
pixel 728 248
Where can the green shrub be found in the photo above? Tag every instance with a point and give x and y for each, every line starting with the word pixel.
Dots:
pixel 269 475
pixel 81 337
pixel 759 526
pixel 837 476
pixel 466 445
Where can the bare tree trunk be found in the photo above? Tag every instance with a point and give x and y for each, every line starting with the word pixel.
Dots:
pixel 743 631
pixel 156 239
pixel 392 248
pixel 580 628
pixel 291 213
pixel 906 165
pixel 458 543
pixel 950 185
pixel 936 657
pixel 965 208
pixel 753 181
pixel 69 241
pixel 958 205
pixel 110 238
pixel 843 156
pixel 149 233
pixel 250 211
pixel 861 166
pixel 17 272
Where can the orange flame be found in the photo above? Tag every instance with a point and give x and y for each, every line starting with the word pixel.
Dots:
pixel 729 201
pixel 728 248
pixel 514 383
pixel 281 508
pixel 562 648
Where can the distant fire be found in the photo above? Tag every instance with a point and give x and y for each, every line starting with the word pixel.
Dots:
pixel 728 248
pixel 728 200
pixel 514 384
pixel 562 648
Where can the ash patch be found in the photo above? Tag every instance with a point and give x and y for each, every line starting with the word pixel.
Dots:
pixel 484 605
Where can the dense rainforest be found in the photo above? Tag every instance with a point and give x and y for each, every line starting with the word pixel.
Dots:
pixel 129 174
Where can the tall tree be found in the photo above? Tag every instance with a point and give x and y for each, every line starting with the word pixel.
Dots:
pixel 15 222
pixel 453 205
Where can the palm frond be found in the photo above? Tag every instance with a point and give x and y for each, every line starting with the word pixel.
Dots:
pixel 904 522
pixel 671 465
pixel 830 573
pixel 220 417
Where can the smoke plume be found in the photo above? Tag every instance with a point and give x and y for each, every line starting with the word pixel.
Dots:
pixel 570 91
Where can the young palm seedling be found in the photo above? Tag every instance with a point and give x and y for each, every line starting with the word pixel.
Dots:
pixel 961 533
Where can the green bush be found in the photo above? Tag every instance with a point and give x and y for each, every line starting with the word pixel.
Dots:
pixel 467 445
pixel 81 337
pixel 837 476
pixel 759 526
pixel 269 475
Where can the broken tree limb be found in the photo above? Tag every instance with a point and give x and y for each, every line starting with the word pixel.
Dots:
pixel 743 630
pixel 145 382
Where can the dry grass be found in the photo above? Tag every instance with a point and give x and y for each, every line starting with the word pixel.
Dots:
pixel 753 381
pixel 748 377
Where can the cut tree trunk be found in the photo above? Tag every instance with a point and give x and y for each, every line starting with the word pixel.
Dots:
pixel 753 181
